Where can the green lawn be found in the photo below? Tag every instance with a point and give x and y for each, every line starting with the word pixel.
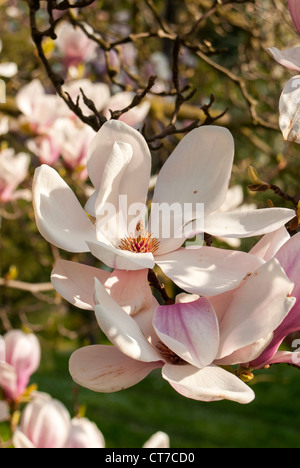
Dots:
pixel 129 417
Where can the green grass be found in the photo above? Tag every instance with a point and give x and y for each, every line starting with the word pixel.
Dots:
pixel 128 418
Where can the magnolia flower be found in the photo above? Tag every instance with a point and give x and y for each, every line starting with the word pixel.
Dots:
pixel 19 358
pixel 191 341
pixel 74 45
pixel 13 171
pixel 40 110
pixel 84 434
pixel 46 423
pixel 197 173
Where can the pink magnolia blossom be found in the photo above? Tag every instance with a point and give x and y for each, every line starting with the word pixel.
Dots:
pixel 286 250
pixel 190 341
pixel 40 110
pixel 19 358
pixel 73 45
pixel 84 434
pixel 13 171
pixel 46 423
pixel 198 171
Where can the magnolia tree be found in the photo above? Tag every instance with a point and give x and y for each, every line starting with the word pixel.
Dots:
pixel 148 165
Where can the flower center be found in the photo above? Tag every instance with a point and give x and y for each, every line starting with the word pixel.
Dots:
pixel 140 242
pixel 169 355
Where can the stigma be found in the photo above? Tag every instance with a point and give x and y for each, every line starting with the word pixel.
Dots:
pixel 140 242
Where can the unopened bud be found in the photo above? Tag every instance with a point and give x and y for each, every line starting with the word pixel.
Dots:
pixel 258 185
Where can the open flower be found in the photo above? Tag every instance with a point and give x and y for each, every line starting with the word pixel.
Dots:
pixel 191 340
pixel 13 171
pixel 197 173
pixel 20 355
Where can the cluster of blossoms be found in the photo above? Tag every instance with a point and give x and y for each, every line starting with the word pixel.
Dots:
pixel 235 307
pixel 52 131
pixel 42 422
pixel 232 309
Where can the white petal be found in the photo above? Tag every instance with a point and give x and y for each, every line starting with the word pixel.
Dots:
pixel 268 245
pixel 289 58
pixel 76 282
pixel 137 175
pixel 199 169
pixel 207 271
pixel 257 309
pixel 209 384
pixel 105 369
pixel 247 224
pixel 59 216
pixel 120 259
pixel 289 110
pixel 121 329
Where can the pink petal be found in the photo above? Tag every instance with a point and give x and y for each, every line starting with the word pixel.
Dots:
pixel 190 329
pixel 246 354
pixel 295 13
pixel 76 282
pixel 288 258
pixel 257 309
pixel 59 217
pixel 207 270
pixel 289 58
pixel 21 441
pixel 247 224
pixel 23 353
pixel 9 380
pixel 267 247
pixel 106 369
pixel 46 422
pixel 84 434
pixel 131 290
pixel 209 384
pixel 121 329
pixel 282 357
pixel 2 349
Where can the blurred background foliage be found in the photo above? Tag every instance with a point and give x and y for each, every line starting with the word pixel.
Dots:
pixel 227 56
